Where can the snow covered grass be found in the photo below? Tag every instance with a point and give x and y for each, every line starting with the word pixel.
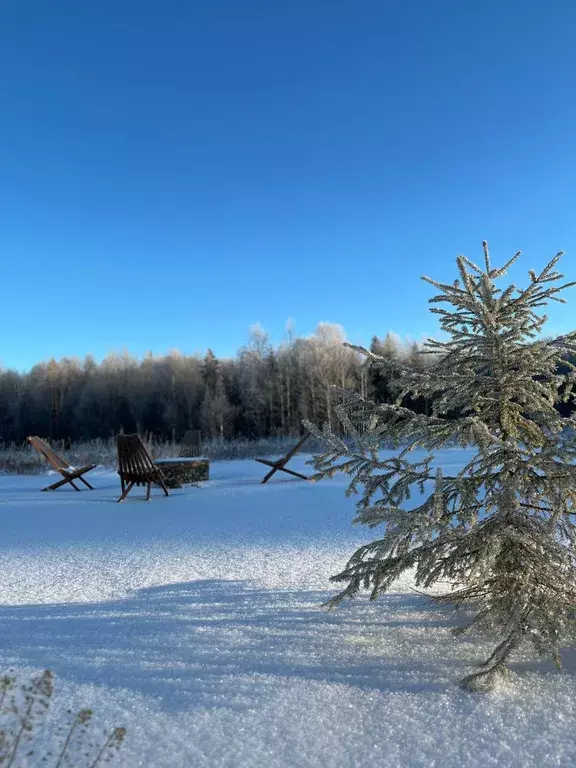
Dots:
pixel 23 459
pixel 196 622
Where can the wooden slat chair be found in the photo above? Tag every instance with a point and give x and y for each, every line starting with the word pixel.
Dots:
pixel 68 472
pixel 136 467
pixel 191 443
pixel 280 465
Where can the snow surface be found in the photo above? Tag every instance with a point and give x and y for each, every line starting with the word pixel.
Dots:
pixel 196 622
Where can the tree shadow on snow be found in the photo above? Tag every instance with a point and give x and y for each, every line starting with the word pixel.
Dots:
pixel 232 644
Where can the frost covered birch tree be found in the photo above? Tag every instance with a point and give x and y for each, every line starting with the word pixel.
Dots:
pixel 498 536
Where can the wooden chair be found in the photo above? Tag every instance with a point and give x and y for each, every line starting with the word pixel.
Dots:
pixel 68 472
pixel 280 464
pixel 136 467
pixel 191 444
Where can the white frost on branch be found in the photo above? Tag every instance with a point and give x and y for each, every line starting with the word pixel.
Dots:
pixel 501 531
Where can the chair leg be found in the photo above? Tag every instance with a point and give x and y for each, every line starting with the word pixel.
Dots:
pixel 57 485
pixel 274 469
pixel 67 480
pixel 291 472
pixel 162 485
pixel 279 466
pixel 125 492
pixel 268 463
pixel 159 480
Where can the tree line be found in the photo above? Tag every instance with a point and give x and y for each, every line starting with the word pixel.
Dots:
pixel 264 390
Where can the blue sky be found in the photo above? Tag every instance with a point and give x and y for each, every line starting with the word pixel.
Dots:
pixel 173 173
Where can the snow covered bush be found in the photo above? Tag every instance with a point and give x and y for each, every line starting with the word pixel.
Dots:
pixel 500 533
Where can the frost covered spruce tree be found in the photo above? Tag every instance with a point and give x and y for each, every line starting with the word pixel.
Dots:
pixel 498 537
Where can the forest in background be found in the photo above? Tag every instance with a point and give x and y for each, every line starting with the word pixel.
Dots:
pixel 263 391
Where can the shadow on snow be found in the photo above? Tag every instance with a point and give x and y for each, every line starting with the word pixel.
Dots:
pixel 227 643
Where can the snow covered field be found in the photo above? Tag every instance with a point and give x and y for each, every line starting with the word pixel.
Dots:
pixel 195 621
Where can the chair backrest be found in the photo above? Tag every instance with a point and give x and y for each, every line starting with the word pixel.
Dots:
pixel 43 448
pixel 133 458
pixel 191 443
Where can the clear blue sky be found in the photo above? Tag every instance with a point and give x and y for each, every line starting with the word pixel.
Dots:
pixel 174 172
